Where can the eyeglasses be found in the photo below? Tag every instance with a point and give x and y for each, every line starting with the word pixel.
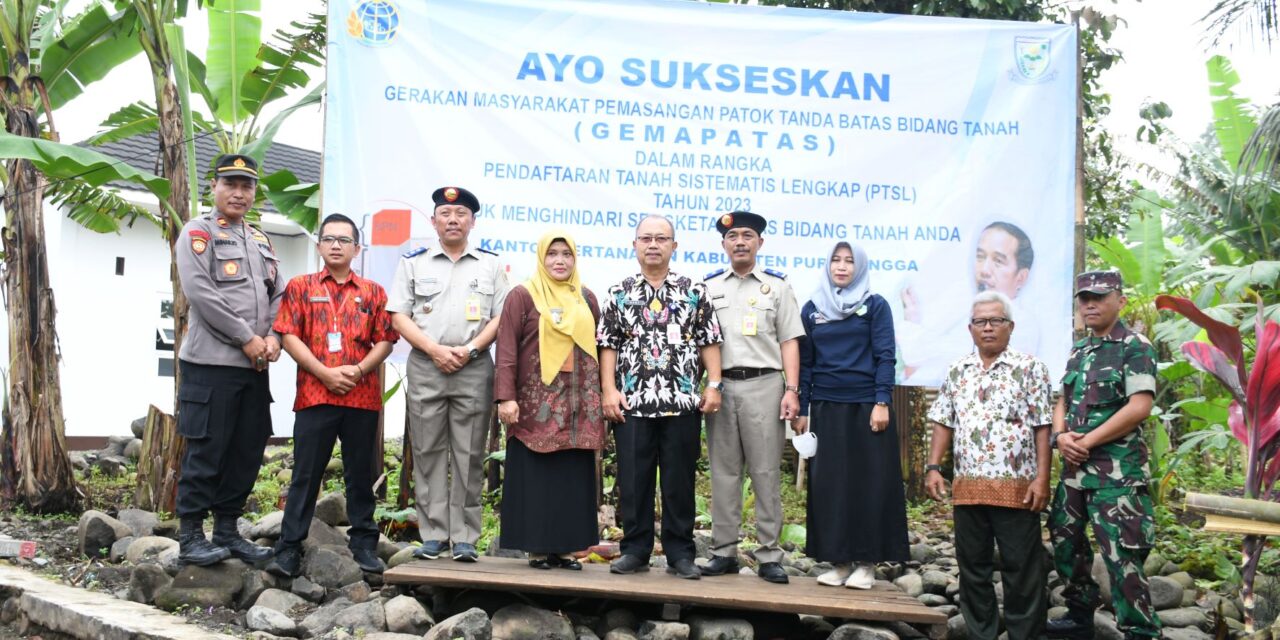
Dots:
pixel 653 239
pixel 994 322
pixel 340 240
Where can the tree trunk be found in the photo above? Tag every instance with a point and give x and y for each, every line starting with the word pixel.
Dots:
pixel 35 471
pixel 909 414
pixel 159 462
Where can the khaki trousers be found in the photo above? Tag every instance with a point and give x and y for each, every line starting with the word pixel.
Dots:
pixel 747 434
pixel 448 420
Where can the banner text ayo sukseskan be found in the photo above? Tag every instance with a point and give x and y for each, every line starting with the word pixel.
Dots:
pixel 725 77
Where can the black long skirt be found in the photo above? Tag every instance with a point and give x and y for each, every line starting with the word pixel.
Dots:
pixel 548 500
pixel 857 510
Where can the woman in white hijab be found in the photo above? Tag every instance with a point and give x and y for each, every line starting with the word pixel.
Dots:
pixel 857 514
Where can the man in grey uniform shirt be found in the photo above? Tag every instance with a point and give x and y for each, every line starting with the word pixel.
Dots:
pixel 446 303
pixel 761 325
pixel 231 276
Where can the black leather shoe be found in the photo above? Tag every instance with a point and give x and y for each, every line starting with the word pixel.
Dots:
pixel 1073 625
pixel 368 561
pixel 544 562
pixel 226 535
pixel 772 572
pixel 194 548
pixel 684 568
pixel 287 563
pixel 571 564
pixel 629 564
pixel 719 566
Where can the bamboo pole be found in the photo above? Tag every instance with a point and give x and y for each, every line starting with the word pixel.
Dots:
pixel 1233 508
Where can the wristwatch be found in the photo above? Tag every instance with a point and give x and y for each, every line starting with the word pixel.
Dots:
pixel 718 385
pixel 472 351
pixel 1053 439
pixel 882 404
pixel 933 467
pixel 795 389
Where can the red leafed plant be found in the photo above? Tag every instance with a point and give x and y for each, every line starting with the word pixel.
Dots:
pixel 1254 414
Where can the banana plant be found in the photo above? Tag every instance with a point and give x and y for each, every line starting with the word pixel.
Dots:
pixel 46 60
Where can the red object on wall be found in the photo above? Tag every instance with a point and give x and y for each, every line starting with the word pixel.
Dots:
pixel 390 228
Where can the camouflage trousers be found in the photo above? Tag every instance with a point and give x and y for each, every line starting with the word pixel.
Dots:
pixel 1123 525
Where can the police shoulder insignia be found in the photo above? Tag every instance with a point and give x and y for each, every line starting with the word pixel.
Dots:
pixel 492 253
pixel 714 274
pixel 777 274
pixel 416 252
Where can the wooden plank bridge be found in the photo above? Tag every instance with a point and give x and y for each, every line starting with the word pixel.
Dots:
pixel 884 603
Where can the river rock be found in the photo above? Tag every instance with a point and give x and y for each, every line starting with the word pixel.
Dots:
pixel 1186 633
pixel 278 600
pixel 934 582
pixel 957 629
pixel 709 628
pixel 270 621
pixel 141 523
pixel 471 624
pixel 1184 617
pixel 331 509
pixel 522 622
pixel 923 553
pixel 146 581
pixel 406 615
pixel 97 531
pixel 213 586
pixel 118 549
pixel 323 619
pixel 911 583
pixel 307 589
pixel 858 631
pixel 267 527
pixel 655 630
pixel 366 617
pixel 329 567
pixel 148 549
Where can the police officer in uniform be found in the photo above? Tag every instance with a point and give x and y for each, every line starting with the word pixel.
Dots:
pixel 231 277
pixel 446 303
pixel 760 362
pixel 1107 393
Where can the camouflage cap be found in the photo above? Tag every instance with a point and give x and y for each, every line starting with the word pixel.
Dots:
pixel 1099 282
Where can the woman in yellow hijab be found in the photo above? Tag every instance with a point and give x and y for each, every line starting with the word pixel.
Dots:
pixel 547 386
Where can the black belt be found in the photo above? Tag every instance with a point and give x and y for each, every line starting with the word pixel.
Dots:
pixel 746 373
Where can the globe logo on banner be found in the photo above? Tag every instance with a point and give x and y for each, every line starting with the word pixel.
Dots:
pixel 1032 55
pixel 374 22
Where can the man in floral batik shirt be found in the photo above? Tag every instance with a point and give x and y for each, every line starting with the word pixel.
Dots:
pixel 994 404
pixel 657 333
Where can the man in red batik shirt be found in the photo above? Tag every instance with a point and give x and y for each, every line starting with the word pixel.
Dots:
pixel 336 327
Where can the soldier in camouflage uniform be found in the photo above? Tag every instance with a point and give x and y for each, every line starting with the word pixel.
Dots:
pixel 1107 393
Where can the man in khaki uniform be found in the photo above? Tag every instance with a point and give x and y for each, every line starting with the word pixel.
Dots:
pixel 446 303
pixel 761 325
pixel 231 276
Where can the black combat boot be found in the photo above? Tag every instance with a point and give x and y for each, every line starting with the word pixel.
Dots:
pixel 226 534
pixel 1074 625
pixel 194 548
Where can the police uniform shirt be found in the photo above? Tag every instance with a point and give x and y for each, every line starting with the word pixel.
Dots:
pixel 757 313
pixel 450 301
pixel 231 276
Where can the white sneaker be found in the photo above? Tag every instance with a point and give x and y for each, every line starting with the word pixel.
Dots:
pixel 864 577
pixel 836 576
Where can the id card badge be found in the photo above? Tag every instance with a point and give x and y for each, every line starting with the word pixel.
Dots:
pixel 473 308
pixel 749 324
pixel 335 341
pixel 673 333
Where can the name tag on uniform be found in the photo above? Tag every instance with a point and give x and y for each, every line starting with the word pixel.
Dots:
pixel 749 324
pixel 673 333
pixel 335 341
pixel 473 308
pixel 319 298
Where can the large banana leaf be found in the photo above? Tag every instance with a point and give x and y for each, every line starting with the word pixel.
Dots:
pixel 137 119
pixel 258 148
pixel 235 34
pixel 1146 231
pixel 97 209
pixel 297 201
pixel 91 45
pixel 59 161
pixel 1232 122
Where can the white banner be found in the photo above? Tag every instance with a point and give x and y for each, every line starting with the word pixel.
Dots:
pixel 908 136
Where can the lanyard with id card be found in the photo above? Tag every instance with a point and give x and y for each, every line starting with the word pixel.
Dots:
pixel 335 337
